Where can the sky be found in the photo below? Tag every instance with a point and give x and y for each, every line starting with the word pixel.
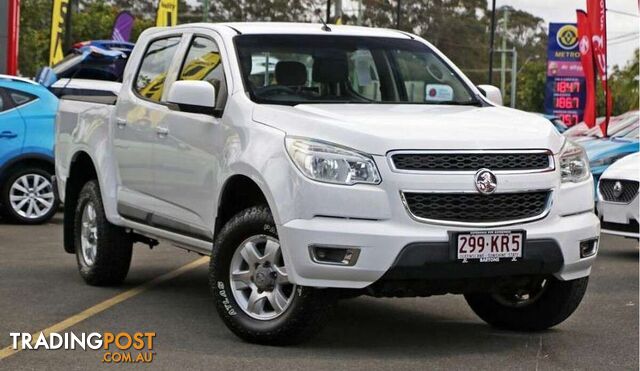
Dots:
pixel 618 25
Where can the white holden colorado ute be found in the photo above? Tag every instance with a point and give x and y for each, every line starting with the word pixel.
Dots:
pixel 315 163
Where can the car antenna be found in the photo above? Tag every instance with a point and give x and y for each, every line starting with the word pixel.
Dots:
pixel 324 24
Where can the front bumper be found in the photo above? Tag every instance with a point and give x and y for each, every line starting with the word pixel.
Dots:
pixel 381 243
pixel 618 218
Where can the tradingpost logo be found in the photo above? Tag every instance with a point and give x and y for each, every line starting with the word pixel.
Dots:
pixel 122 347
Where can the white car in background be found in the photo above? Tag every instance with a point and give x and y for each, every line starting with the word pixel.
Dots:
pixel 618 197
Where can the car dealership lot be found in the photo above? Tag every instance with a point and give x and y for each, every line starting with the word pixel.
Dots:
pixel 40 287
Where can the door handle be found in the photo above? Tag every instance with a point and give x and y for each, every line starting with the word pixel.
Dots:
pixel 162 132
pixel 8 134
pixel 121 123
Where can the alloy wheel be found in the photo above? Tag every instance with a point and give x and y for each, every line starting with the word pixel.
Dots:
pixel 89 234
pixel 259 280
pixel 31 196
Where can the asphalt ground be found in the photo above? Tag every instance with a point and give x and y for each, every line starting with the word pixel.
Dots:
pixel 40 287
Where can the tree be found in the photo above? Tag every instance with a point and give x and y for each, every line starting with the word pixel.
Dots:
pixel 531 86
pixel 624 87
pixel 35 31
pixel 263 10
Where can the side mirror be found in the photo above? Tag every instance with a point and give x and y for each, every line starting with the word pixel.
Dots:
pixel 193 96
pixel 492 93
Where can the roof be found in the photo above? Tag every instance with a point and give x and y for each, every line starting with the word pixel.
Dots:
pixel 303 28
pixel 17 79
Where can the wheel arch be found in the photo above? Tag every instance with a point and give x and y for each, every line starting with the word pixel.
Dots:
pixel 81 170
pixel 238 192
pixel 27 159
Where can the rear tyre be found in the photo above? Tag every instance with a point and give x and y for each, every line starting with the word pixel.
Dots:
pixel 103 250
pixel 28 196
pixel 544 304
pixel 251 288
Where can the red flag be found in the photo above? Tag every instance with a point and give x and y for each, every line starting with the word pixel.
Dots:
pixel 13 29
pixel 586 57
pixel 596 12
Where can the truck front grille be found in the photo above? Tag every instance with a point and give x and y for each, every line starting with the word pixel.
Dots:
pixel 473 161
pixel 623 193
pixel 476 208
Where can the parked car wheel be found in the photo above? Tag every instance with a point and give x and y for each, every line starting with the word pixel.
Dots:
pixel 546 303
pixel 28 196
pixel 103 250
pixel 251 287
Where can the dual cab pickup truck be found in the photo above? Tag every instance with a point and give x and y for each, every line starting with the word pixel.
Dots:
pixel 315 163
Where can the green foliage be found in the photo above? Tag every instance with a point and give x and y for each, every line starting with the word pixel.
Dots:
pixel 624 87
pixel 531 84
pixel 35 32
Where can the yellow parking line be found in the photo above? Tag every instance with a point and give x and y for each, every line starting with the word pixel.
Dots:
pixel 75 319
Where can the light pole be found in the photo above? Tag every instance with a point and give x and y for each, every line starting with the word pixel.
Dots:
pixel 205 10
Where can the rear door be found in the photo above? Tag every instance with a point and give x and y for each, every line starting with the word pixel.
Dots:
pixel 12 129
pixel 139 115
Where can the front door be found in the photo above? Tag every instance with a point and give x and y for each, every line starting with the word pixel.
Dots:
pixel 187 158
pixel 139 114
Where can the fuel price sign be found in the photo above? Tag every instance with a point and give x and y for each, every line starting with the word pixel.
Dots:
pixel 565 88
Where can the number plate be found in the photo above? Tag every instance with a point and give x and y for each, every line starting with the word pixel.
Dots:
pixel 489 246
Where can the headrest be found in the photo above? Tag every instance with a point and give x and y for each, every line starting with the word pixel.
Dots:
pixel 289 73
pixel 330 69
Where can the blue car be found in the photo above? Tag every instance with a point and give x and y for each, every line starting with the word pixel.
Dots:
pixel 27 113
pixel 603 152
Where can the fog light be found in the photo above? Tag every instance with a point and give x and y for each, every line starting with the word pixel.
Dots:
pixel 588 247
pixel 334 255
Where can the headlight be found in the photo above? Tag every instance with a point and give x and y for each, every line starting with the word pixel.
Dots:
pixel 574 165
pixel 330 163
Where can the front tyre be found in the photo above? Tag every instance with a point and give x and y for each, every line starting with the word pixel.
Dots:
pixel 543 304
pixel 103 250
pixel 250 285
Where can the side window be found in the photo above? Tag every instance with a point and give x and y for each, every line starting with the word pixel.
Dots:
pixel 155 64
pixel 19 98
pixel 3 106
pixel 427 79
pixel 204 63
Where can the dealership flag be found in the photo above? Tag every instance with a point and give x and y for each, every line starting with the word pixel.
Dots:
pixel 596 12
pixel 58 15
pixel 167 13
pixel 586 57
pixel 122 26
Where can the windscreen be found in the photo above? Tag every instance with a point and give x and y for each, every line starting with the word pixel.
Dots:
pixel 297 69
